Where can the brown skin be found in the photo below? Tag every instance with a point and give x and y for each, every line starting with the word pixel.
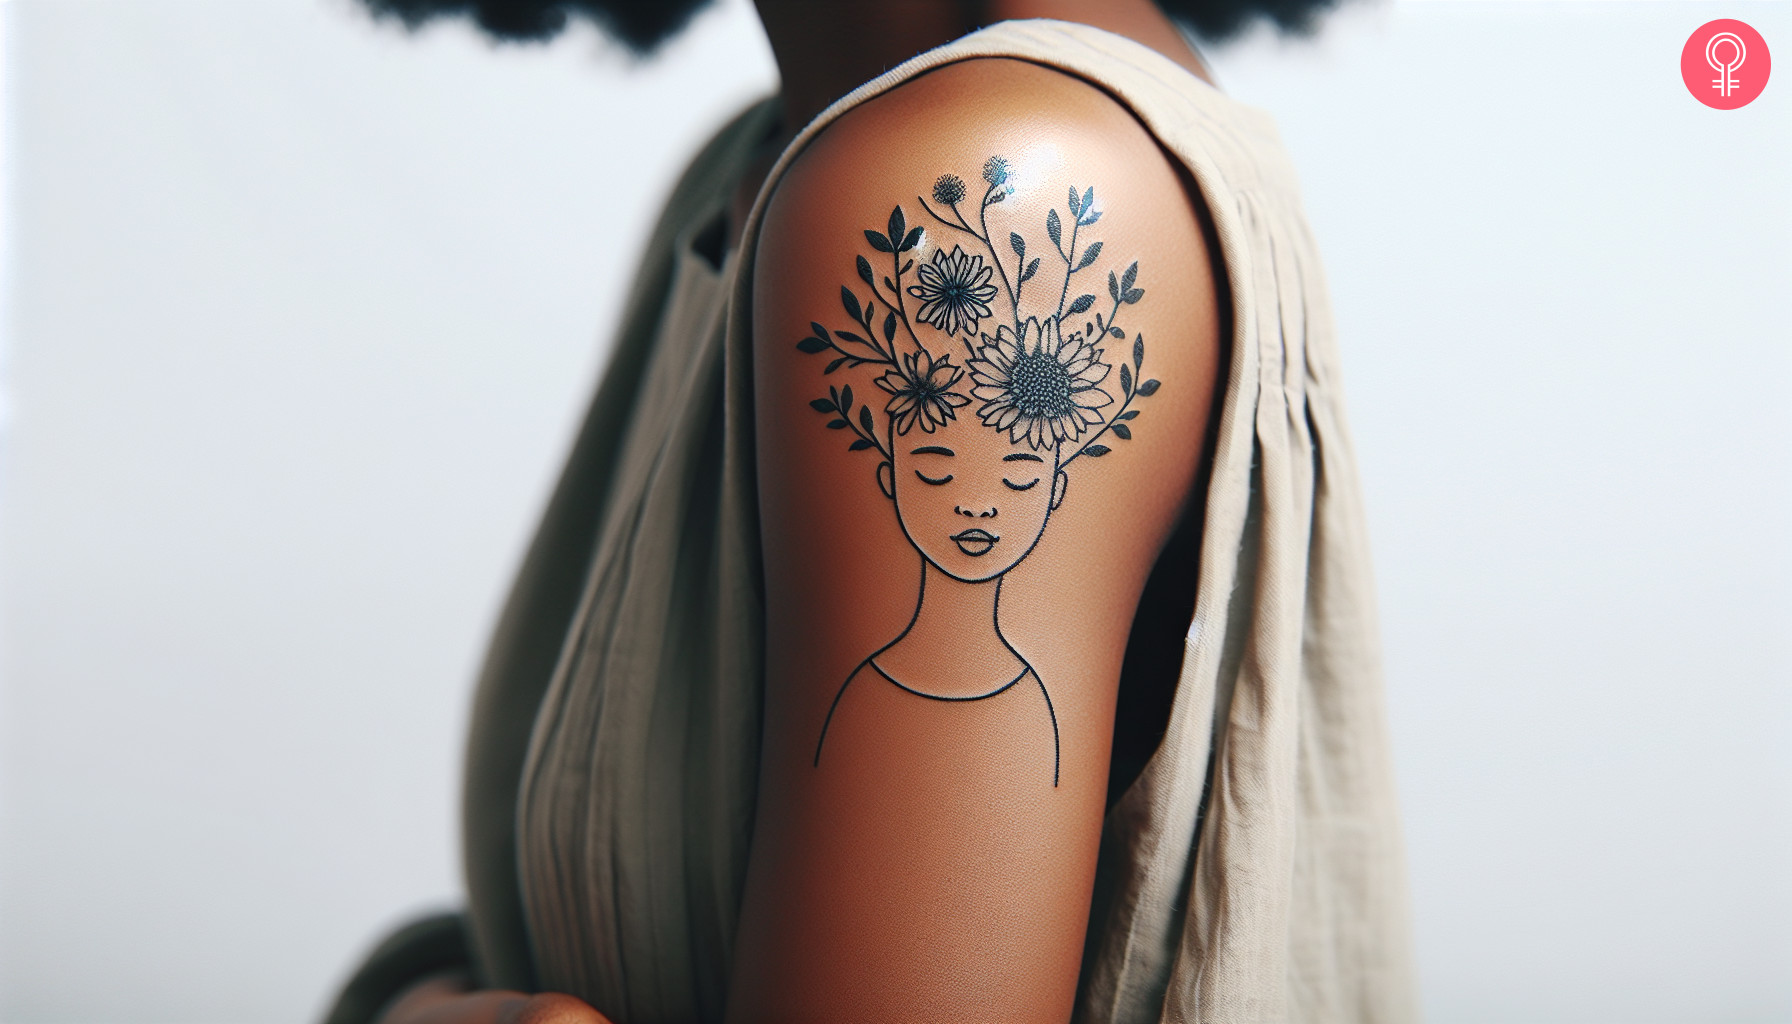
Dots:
pixel 927 869
pixel 923 875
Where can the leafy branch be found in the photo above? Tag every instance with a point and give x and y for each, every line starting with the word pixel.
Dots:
pixel 1083 213
pixel 898 239
pixel 1123 293
pixel 1121 290
pixel 839 403
pixel 853 349
pixel 1023 270
pixel 1118 423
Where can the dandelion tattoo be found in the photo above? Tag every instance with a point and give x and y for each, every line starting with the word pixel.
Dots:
pixel 969 497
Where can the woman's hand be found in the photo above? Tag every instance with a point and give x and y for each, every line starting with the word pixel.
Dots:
pixel 451 999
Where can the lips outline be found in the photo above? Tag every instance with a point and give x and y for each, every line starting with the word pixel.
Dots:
pixel 983 539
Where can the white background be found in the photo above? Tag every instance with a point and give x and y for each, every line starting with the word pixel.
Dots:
pixel 300 312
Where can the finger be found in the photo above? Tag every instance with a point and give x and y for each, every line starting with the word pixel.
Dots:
pixel 554 1008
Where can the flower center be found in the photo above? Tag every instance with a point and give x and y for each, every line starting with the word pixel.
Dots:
pixel 1040 385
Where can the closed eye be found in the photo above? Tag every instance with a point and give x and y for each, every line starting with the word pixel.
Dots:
pixel 944 480
pixel 1020 487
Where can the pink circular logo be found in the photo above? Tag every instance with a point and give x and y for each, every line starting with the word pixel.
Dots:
pixel 1725 64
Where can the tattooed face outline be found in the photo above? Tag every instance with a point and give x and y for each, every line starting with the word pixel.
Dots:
pixel 973 493
pixel 971 501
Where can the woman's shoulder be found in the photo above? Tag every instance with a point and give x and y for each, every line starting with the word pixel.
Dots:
pixel 1001 105
pixel 1021 179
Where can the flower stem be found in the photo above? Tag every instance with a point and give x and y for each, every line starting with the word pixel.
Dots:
pixel 900 308
pixel 1069 267
pixel 995 257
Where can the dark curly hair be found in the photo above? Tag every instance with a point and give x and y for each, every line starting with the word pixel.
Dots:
pixel 644 24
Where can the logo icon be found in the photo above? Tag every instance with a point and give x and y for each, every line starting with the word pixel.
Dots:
pixel 1725 64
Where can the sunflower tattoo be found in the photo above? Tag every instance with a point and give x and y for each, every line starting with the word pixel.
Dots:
pixel 1040 386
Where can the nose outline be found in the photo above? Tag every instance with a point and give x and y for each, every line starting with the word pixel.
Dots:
pixel 969 514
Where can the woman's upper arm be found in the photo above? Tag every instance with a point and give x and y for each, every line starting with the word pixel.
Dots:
pixel 962 495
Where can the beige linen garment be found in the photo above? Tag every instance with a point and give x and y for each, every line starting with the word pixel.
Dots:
pixel 1253 872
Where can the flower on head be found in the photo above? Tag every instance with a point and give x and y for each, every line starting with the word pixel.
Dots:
pixel 995 170
pixel 1038 384
pixel 954 291
pixel 920 389
pixel 949 190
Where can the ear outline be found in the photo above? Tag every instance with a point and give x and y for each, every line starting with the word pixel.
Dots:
pixel 886 479
pixel 1060 484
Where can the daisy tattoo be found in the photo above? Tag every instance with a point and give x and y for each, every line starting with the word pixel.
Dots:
pixel 1040 391
pixel 954 291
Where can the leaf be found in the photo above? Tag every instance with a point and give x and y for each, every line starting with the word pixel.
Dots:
pixel 1076 203
pixel 1113 285
pixel 835 365
pixel 878 242
pixel 820 331
pixel 1117 332
pixel 1088 205
pixel 898 225
pixel 1138 352
pixel 865 419
pixel 1090 217
pixel 1096 451
pixel 912 239
pixel 1133 296
pixel 1150 387
pixel 905 267
pixel 846 399
pixel 890 326
pixel 1130 414
pixel 1089 255
pixel 1018 243
pixel 1124 431
pixel 851 302
pixel 849 336
pixel 865 272
pixel 836 424
pixel 811 345
pixel 1032 268
pixel 891 285
pixel 859 445
pixel 822 405
pixel 1082 303
pixel 1130 277
pixel 1054 229
pixel 1125 379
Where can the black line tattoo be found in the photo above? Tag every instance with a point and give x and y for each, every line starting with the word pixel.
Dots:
pixel 971 505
